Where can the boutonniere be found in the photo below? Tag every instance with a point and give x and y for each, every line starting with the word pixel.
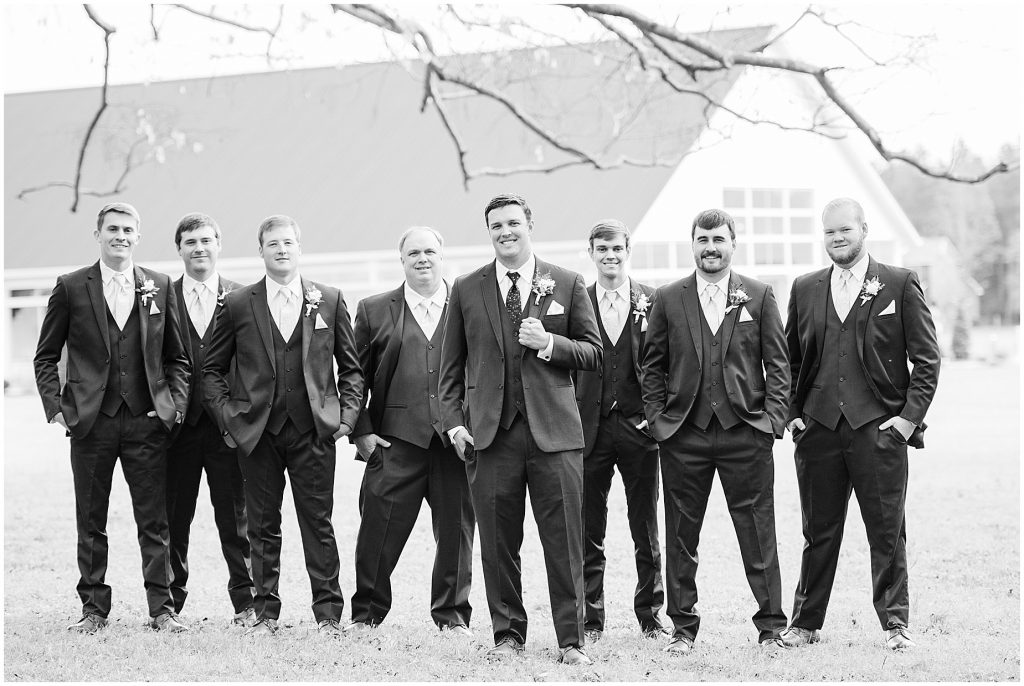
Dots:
pixel 870 289
pixel 313 299
pixel 737 297
pixel 223 294
pixel 147 291
pixel 543 285
pixel 640 305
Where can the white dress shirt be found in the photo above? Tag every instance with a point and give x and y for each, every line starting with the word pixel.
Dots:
pixel 716 313
pixel 118 296
pixel 857 272
pixel 290 314
pixel 427 311
pixel 613 324
pixel 524 285
pixel 207 300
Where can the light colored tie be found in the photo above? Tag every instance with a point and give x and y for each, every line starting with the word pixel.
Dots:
pixel 286 314
pixel 198 311
pixel 612 321
pixel 711 312
pixel 428 323
pixel 120 299
pixel 843 299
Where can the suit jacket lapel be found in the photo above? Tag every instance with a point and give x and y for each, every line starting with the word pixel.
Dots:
pixel 863 309
pixel 261 313
pixel 729 320
pixel 820 309
pixel 389 358
pixel 184 319
pixel 489 293
pixel 307 323
pixel 634 323
pixel 143 309
pixel 94 286
pixel 692 313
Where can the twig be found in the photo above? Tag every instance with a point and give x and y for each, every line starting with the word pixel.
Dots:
pixel 108 30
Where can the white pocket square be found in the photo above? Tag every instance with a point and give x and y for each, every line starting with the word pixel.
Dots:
pixel 320 323
pixel 889 309
pixel 555 308
pixel 745 316
pixel 153 309
pixel 643 325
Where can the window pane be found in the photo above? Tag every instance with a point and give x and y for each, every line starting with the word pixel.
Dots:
pixel 800 197
pixel 740 256
pixel 741 225
pixel 802 225
pixel 734 197
pixel 684 255
pixel 764 225
pixel 803 253
pixel 767 197
pixel 769 253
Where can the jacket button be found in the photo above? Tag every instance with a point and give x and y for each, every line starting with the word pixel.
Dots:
pixel 432 395
pixel 202 345
pixel 430 347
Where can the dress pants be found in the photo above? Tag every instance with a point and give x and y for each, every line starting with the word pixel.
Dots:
pixel 742 456
pixel 310 467
pixel 141 443
pixel 619 444
pixel 872 463
pixel 395 483
pixel 498 479
pixel 194 449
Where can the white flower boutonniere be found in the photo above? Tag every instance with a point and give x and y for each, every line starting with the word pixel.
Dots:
pixel 223 294
pixel 870 289
pixel 147 291
pixel 737 297
pixel 543 285
pixel 640 305
pixel 313 299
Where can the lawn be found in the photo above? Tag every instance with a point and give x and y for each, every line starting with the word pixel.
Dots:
pixel 963 527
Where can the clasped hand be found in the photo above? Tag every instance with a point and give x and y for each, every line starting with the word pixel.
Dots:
pixel 532 334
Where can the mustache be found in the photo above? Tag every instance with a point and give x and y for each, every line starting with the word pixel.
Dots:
pixel 710 253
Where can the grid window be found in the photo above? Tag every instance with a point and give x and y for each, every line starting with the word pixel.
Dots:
pixel 801 198
pixel 769 253
pixel 734 197
pixel 767 225
pixel 740 256
pixel 802 253
pixel 766 197
pixel 741 225
pixel 801 225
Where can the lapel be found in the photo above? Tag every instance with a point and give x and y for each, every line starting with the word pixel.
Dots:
pixel 143 309
pixel 820 309
pixel 94 287
pixel 634 323
pixel 389 358
pixel 863 309
pixel 261 313
pixel 489 293
pixel 184 318
pixel 692 313
pixel 533 308
pixel 729 320
pixel 307 321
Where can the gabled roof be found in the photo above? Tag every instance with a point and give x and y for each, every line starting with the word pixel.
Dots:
pixel 345 151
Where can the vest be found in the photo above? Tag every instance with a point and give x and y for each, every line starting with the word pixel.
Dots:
pixel 712 398
pixel 844 390
pixel 291 401
pixel 195 397
pixel 513 401
pixel 619 386
pixel 414 387
pixel 126 373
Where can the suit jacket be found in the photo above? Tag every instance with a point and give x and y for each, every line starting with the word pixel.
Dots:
pixel 473 356
pixel 379 327
pixel 755 369
pixel 76 316
pixel 243 332
pixel 884 343
pixel 590 383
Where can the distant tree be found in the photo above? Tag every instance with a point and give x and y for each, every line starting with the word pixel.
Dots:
pixel 961 337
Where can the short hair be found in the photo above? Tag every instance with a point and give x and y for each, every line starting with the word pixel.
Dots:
pixel 274 221
pixel 840 203
pixel 608 229
pixel 122 207
pixel 194 221
pixel 712 219
pixel 507 199
pixel 407 232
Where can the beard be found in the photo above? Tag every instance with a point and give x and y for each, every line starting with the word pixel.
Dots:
pixel 713 269
pixel 855 249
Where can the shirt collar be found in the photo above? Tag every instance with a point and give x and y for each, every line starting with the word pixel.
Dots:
pixel 622 290
pixel 295 286
pixel 439 297
pixel 106 273
pixel 703 283
pixel 525 272
pixel 188 283
pixel 858 271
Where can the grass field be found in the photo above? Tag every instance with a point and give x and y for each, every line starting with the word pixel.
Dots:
pixel 963 527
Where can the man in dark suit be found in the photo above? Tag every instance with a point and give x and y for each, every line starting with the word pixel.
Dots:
pixel 616 433
pixel 855 406
pixel 715 388
pixel 127 386
pixel 284 411
pixel 198 444
pixel 515 329
pixel 408 456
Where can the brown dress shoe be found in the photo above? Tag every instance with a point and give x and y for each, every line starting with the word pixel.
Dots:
pixel 167 622
pixel 506 647
pixel 656 632
pixel 329 627
pixel 573 656
pixel 263 627
pixel 88 624
pixel 797 637
pixel 593 635
pixel 679 644
pixel 246 617
pixel 898 638
pixel 457 629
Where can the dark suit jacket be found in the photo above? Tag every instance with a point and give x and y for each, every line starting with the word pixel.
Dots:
pixel 473 356
pixel 76 315
pixel 884 342
pixel 243 332
pixel 589 384
pixel 197 357
pixel 755 368
pixel 380 323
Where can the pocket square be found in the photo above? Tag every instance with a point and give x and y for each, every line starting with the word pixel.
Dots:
pixel 555 308
pixel 745 316
pixel 320 323
pixel 643 325
pixel 889 309
pixel 153 309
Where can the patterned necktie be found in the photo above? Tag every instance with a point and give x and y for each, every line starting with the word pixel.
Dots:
pixel 612 323
pixel 286 315
pixel 120 299
pixel 198 312
pixel 513 304
pixel 711 308
pixel 843 300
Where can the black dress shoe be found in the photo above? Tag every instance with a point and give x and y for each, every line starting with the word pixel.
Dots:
pixel 898 638
pixel 656 632
pixel 798 637
pixel 88 624
pixel 167 622
pixel 679 644
pixel 457 629
pixel 508 646
pixel 573 656
pixel 246 617
pixel 329 627
pixel 263 627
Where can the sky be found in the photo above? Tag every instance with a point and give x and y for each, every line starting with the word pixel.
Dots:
pixel 964 83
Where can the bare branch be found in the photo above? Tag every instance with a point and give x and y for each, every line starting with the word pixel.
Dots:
pixel 446 121
pixel 152 22
pixel 778 36
pixel 119 185
pixel 271 33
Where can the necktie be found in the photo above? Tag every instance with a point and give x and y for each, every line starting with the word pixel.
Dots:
pixel 197 311
pixel 120 299
pixel 711 308
pixel 612 323
pixel 286 315
pixel 843 298
pixel 513 304
pixel 427 321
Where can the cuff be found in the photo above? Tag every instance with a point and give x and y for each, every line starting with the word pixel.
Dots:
pixel 452 432
pixel 545 354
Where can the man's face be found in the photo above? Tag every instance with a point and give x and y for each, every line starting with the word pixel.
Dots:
pixel 713 249
pixel 421 260
pixel 610 256
pixel 844 235
pixel 510 234
pixel 199 250
pixel 117 237
pixel 280 251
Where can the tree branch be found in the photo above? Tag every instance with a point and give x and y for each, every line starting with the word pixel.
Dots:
pixel 271 33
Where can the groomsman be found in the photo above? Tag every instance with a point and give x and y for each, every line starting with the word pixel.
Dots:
pixel 715 384
pixel 616 433
pixel 126 387
pixel 284 411
pixel 198 445
pixel 515 329
pixel 408 456
pixel 852 329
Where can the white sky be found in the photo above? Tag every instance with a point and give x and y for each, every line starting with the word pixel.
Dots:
pixel 964 84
